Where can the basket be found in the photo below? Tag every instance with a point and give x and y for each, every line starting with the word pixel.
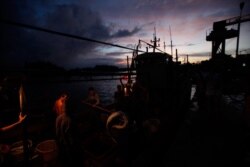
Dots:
pixel 47 150
pixel 17 149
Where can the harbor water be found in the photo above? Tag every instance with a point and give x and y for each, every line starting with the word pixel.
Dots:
pixel 41 95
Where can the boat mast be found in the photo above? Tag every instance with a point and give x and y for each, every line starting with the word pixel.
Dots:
pixel 129 71
pixel 155 40
pixel 171 44
pixel 176 55
pixel 164 45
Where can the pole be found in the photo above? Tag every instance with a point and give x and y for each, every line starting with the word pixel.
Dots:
pixel 171 44
pixel 238 37
pixel 97 107
pixel 129 76
pixel 171 48
pixel 176 55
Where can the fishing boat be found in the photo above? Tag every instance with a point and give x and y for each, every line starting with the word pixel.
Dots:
pixel 153 108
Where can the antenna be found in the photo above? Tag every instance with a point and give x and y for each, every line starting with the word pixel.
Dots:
pixel 164 46
pixel 176 55
pixel 171 44
pixel 155 40
pixel 154 35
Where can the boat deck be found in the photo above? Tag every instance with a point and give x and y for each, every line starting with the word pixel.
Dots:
pixel 205 138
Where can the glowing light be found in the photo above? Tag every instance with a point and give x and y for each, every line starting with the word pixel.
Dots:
pixel 21 98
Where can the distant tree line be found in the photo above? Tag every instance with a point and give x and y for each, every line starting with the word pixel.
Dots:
pixel 43 68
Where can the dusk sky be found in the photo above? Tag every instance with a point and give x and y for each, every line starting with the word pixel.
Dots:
pixel 122 22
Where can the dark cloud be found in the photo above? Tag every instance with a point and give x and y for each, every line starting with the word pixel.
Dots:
pixel 126 33
pixel 117 54
pixel 200 54
pixel 159 8
pixel 102 61
pixel 21 45
pixel 185 44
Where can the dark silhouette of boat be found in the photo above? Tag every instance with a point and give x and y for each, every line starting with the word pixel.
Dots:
pixel 154 110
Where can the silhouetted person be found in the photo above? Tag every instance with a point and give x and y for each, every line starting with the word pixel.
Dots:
pixel 60 104
pixel 5 160
pixel 93 97
pixel 139 99
pixel 70 152
pixel 94 113
pixel 8 127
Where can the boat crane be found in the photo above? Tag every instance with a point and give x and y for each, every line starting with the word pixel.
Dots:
pixel 219 34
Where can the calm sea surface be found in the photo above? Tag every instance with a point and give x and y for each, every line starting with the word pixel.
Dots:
pixel 41 96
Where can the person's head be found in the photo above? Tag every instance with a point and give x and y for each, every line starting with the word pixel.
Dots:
pixel 64 96
pixel 91 91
